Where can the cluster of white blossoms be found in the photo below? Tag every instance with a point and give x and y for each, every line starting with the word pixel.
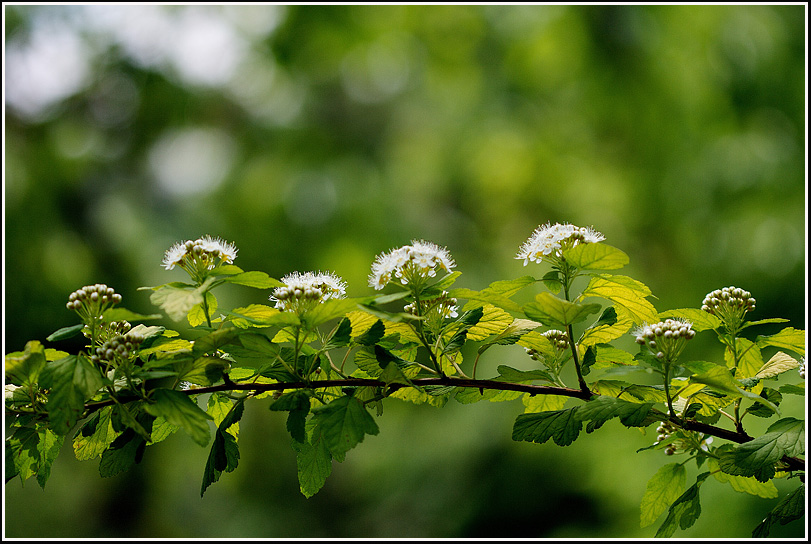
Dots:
pixel 444 305
pixel 665 339
pixel 203 253
pixel 307 289
pixel 550 240
pixel 410 264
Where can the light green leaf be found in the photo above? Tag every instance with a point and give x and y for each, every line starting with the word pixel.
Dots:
pixel 685 511
pixel 556 312
pixel 178 299
pixel 493 321
pixel 749 361
pixel 662 490
pixel 596 256
pixel 779 363
pixel 497 293
pixel 257 280
pixel 543 403
pixel 789 338
pixel 24 368
pixel 624 292
pixel 700 319
pixel 197 315
pixel 329 310
pixel 95 435
pixel 178 409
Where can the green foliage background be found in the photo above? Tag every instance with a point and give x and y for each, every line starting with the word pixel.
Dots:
pixel 316 137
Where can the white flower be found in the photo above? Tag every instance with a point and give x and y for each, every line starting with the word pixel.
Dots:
pixel 549 240
pixel 418 261
pixel 215 246
pixel 8 391
pixel 309 286
pixel 174 255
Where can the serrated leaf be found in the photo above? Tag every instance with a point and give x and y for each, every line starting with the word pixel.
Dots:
pixel 343 423
pixel 562 426
pixel 72 380
pixel 779 363
pixel 24 368
pixel 255 279
pixel 214 340
pixel 95 436
pixel 123 314
pixel 197 314
pixel 341 335
pixel 493 321
pixel 552 281
pixel 596 256
pixel 177 301
pixel 790 508
pixel 314 464
pixel 662 490
pixel 757 457
pixel 543 403
pixel 743 484
pixel 31 452
pixel 624 292
pixel 700 319
pixel 602 408
pixel 789 338
pixel 125 451
pixel 178 409
pixel 328 310
pixel 684 511
pixel 555 312
pixel 749 360
pixel 224 453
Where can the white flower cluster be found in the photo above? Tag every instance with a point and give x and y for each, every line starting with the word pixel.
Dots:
pixel 665 339
pixel 8 391
pixel 410 264
pixel 206 250
pixel 552 239
pixel 307 287
pixel 444 305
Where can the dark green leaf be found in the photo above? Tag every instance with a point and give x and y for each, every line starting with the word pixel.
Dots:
pixel 65 333
pixel 790 508
pixel 341 337
pixel 214 340
pixel 343 424
pixel 373 335
pixel 123 454
pixel 603 408
pixel 224 454
pixel 178 409
pixel 757 457
pixel 563 426
pixel 72 380
pixel 314 464
pixel 552 281
pixel 123 314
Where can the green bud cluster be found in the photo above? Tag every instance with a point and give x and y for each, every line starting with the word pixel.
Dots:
pixel 801 368
pixel 119 348
pixel 444 304
pixel 558 338
pixel 664 431
pixel 665 339
pixel 93 297
pixel 730 304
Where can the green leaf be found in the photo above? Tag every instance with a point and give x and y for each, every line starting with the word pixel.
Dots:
pixel 625 292
pixel 757 457
pixel 328 310
pixel 749 361
pixel 203 371
pixel 72 380
pixel 298 404
pixel 497 293
pixel 562 426
pixel 257 280
pixel 197 314
pixel 341 336
pixel 343 424
pixel 791 508
pixel 492 321
pixel 224 453
pixel 214 340
pixel 176 300
pixel 743 484
pixel 700 319
pixel 720 379
pixel 25 367
pixel 556 312
pixel 95 435
pixel 662 490
pixel 601 409
pixel 779 363
pixel 314 464
pixel 552 281
pixel 789 338
pixel 260 315
pixel 125 451
pixel 685 511
pixel 65 333
pixel 31 452
pixel 373 334
pixel 123 314
pixel 596 256
pixel 792 389
pixel 178 409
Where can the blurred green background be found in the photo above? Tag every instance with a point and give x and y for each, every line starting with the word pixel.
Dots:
pixel 316 137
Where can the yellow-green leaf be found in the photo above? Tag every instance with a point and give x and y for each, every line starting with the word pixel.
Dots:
pixel 662 490
pixel 779 363
pixel 596 257
pixel 624 292
pixel 493 321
